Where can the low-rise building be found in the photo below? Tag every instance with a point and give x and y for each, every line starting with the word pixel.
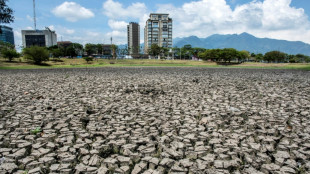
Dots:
pixel 43 38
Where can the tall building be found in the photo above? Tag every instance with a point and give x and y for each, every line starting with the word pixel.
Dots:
pixel 158 30
pixel 133 37
pixel 7 34
pixel 43 38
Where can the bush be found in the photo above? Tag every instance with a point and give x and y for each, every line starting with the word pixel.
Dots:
pixel 36 54
pixel 88 59
pixel 10 54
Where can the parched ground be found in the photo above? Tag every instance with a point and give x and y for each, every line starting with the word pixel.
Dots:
pixel 154 120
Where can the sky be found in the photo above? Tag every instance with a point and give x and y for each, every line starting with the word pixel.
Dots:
pixel 96 21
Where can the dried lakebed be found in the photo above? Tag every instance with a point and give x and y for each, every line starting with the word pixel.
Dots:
pixel 154 120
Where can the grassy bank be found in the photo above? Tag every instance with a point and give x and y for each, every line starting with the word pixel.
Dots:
pixel 80 63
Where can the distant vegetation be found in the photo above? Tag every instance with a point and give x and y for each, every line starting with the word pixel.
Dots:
pixel 38 55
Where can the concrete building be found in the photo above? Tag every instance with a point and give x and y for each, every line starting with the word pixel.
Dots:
pixel 133 38
pixel 158 30
pixel 7 34
pixel 43 38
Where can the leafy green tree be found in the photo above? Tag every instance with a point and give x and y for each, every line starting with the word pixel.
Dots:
pixel 212 54
pixel 154 50
pixel 88 59
pixel 90 48
pixel 195 51
pixel 99 48
pixel 6 45
pixel 301 58
pixel 6 13
pixel 274 56
pixel 10 54
pixel 36 54
pixel 259 57
pixel 70 51
pixel 56 53
pixel 243 55
pixel 227 54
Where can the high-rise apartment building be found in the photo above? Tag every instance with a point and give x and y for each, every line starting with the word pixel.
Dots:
pixel 42 38
pixel 133 34
pixel 158 30
pixel 7 34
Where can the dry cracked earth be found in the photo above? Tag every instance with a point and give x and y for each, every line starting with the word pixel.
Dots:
pixel 154 120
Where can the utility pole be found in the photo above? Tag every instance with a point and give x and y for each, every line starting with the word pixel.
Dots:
pixel 34 15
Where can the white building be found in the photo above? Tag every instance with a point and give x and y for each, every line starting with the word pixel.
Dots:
pixel 43 38
pixel 158 30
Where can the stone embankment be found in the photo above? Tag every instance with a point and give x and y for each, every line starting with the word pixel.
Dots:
pixel 154 120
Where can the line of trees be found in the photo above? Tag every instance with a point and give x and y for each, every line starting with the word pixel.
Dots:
pixel 231 54
pixel 224 55
pixel 70 50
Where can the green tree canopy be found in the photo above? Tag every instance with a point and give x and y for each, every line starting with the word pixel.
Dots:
pixel 36 54
pixel 154 50
pixel 6 13
pixel 9 54
pixel 274 56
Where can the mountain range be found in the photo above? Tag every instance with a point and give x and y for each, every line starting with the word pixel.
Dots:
pixel 245 41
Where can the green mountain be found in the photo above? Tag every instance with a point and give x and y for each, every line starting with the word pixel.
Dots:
pixel 245 41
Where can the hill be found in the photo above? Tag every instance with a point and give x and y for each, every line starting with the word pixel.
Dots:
pixel 245 41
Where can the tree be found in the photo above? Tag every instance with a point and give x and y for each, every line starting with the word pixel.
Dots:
pixel 155 50
pixel 6 13
pixel 242 55
pixel 90 48
pixel 114 49
pixel 88 59
pixel 99 48
pixel 274 56
pixel 6 45
pixel 36 54
pixel 227 54
pixel 259 57
pixel 9 54
pixel 212 54
pixel 56 52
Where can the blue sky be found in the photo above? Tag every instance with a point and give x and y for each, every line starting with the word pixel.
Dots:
pixel 95 21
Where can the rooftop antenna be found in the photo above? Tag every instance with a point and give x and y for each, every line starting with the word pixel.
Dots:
pixel 34 15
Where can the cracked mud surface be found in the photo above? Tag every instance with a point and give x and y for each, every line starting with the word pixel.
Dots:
pixel 154 120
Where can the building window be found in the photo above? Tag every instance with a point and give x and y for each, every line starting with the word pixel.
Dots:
pixel 155 24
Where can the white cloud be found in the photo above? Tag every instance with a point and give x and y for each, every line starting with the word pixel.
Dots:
pixel 119 17
pixel 115 10
pixel 92 34
pixel 69 31
pixel 270 18
pixel 72 11
pixel 51 27
pixel 29 18
pixel 117 25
